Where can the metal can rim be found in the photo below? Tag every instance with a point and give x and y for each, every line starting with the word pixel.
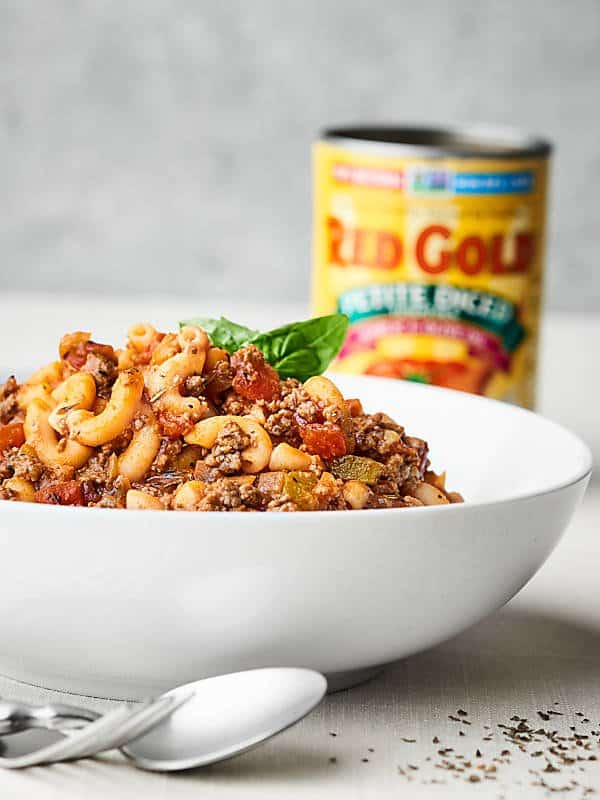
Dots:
pixel 470 142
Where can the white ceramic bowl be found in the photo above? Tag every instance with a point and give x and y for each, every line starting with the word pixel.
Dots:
pixel 124 604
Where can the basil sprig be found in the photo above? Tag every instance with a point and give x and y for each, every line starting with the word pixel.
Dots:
pixel 223 333
pixel 298 350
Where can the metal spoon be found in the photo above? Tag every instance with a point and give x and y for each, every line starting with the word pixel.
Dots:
pixel 191 726
pixel 105 733
pixel 16 717
pixel 226 716
pixel 70 747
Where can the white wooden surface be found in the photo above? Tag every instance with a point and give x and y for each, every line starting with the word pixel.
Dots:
pixel 541 652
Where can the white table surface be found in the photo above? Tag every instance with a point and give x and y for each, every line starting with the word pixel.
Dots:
pixel 540 652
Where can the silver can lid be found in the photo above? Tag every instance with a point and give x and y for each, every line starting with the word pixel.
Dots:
pixel 476 141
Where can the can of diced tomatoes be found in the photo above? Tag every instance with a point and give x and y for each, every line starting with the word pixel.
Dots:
pixel 432 242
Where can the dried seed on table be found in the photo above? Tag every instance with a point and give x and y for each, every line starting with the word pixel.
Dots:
pixel 550 768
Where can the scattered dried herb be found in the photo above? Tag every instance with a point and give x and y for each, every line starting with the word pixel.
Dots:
pixel 565 753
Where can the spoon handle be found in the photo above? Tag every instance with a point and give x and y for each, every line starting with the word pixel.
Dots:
pixel 17 716
pixel 73 747
pixel 141 721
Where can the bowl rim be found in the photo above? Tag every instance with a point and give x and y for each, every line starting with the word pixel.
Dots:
pixel 582 473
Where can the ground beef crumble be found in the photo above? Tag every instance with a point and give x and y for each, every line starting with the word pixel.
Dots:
pixel 229 495
pixel 226 453
pixel 194 386
pixel 102 468
pixel 218 379
pixel 377 435
pixel 103 370
pixel 236 405
pixel 21 463
pixel 8 400
pixel 166 458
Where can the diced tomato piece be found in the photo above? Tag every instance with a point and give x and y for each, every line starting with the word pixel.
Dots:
pixel 66 493
pixel 354 407
pixel 173 426
pixel 77 357
pixel 11 435
pixel 253 378
pixel 323 440
pixel 263 385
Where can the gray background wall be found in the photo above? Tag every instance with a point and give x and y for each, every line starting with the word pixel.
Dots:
pixel 151 145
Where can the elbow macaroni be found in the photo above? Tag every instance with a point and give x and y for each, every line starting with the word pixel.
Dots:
pixel 21 489
pixel 40 384
pixel 142 501
pixel 141 335
pixel 86 428
pixel 164 380
pixel 78 391
pixel 51 450
pixel 137 458
pixel 188 495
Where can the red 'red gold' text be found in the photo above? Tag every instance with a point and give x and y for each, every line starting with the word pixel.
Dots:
pixel 433 251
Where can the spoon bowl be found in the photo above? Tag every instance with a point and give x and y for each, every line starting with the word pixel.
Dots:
pixel 226 716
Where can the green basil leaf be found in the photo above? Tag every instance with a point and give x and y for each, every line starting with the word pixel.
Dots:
pixel 303 349
pixel 223 333
pixel 298 350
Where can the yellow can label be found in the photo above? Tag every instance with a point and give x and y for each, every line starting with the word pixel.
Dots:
pixel 437 263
